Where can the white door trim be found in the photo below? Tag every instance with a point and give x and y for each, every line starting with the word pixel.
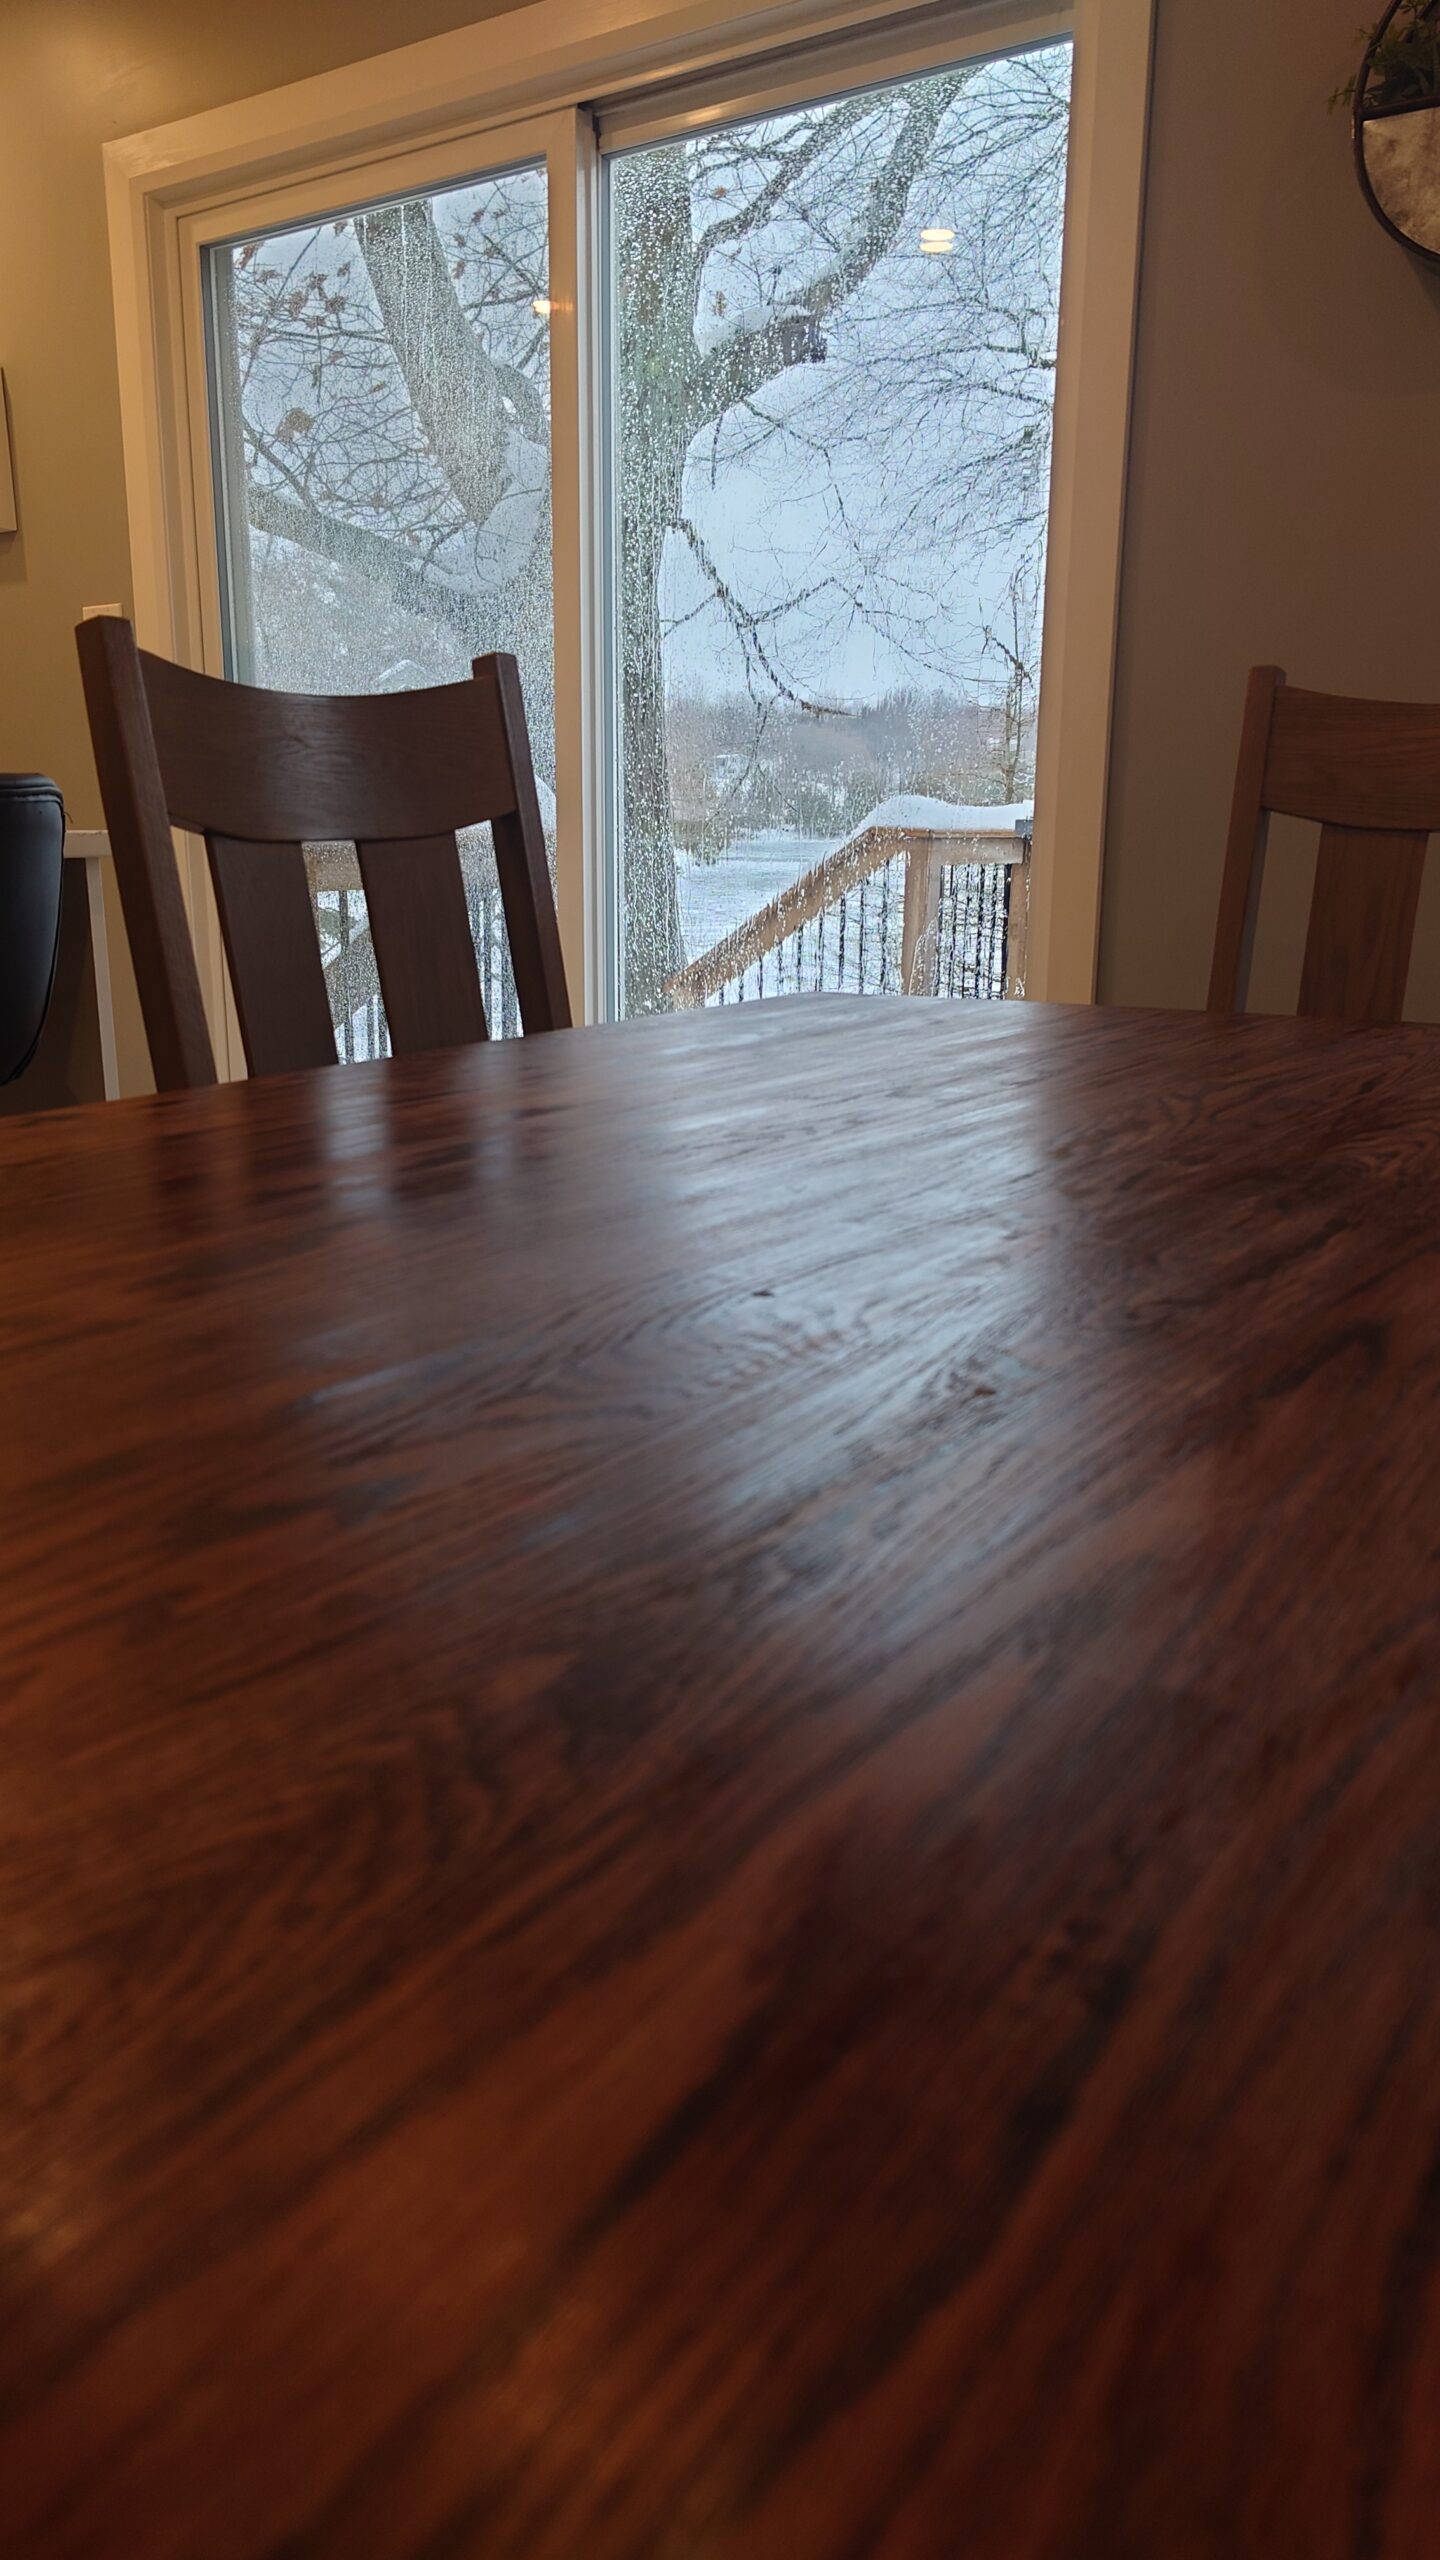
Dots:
pixel 1099 290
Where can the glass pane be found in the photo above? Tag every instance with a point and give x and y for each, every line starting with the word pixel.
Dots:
pixel 834 356
pixel 382 393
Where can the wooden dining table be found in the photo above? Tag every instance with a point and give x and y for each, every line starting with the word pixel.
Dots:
pixel 720 1799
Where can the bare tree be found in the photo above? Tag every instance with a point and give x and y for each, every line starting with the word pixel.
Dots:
pixel 1013 639
pixel 391 384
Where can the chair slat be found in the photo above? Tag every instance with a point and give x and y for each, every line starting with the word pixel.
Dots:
pixel 276 970
pixel 1362 924
pixel 1369 772
pixel 420 929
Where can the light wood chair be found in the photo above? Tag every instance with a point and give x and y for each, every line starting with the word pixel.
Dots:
pixel 259 775
pixel 1369 773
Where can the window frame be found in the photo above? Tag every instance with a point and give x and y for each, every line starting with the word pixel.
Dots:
pixel 530 84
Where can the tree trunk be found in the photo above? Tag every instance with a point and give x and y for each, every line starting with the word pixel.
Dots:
pixel 656 267
pixel 653 945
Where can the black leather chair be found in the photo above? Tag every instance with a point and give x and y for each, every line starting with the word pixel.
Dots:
pixel 32 848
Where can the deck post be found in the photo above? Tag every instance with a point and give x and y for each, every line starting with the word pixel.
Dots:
pixel 919 949
pixel 1017 933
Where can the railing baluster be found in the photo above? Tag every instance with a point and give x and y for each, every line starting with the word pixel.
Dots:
pixel 348 1038
pixel 990 941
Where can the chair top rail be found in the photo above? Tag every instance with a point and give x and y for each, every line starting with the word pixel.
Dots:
pixel 270 767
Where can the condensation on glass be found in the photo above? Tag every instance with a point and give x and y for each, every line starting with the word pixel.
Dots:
pixel 833 338
pixel 381 398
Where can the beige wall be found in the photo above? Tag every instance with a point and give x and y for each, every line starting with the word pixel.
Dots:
pixel 1289 365
pixel 1284 489
pixel 73 74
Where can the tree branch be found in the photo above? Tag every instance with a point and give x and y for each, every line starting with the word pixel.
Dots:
pixel 792 164
pixel 742 365
pixel 455 389
pixel 350 546
pixel 745 623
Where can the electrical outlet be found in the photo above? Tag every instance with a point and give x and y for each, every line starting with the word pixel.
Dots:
pixel 96 612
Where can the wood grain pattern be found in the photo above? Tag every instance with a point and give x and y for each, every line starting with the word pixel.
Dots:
pixel 1362 923
pixel 253 762
pixel 1347 762
pixel 719 1799
pixel 263 895
pixel 1369 772
pixel 259 774
pixel 415 907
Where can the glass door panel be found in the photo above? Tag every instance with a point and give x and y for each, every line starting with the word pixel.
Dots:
pixel 380 396
pixel 833 335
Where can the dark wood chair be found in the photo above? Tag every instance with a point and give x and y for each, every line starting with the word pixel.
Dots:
pixel 259 775
pixel 1369 774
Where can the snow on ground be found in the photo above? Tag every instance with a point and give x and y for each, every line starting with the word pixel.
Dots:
pixel 717 896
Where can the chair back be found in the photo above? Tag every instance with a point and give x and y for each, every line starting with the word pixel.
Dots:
pixel 1369 774
pixel 259 775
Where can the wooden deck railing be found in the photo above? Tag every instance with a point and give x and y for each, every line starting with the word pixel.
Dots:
pixel 927 856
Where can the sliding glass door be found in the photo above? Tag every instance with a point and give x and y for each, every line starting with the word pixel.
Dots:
pixel 834 341
pixel 735 427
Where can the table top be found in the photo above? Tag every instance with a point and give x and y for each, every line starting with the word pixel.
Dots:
pixel 720 1799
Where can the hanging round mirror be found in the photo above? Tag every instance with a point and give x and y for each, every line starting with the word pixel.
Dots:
pixel 1397 124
